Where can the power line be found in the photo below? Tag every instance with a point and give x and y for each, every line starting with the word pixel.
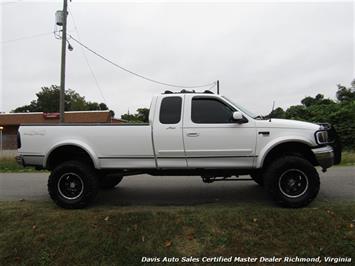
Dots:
pixel 136 74
pixel 28 37
pixel 87 60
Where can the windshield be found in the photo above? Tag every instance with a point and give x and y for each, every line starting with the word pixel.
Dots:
pixel 242 108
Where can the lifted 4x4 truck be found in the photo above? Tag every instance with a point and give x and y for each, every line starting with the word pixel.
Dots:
pixel 188 134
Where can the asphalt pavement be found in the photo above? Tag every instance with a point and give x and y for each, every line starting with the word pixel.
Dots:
pixel 336 184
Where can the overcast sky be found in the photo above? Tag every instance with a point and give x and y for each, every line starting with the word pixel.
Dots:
pixel 260 52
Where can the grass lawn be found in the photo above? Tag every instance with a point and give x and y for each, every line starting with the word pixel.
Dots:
pixel 34 233
pixel 348 158
pixel 9 165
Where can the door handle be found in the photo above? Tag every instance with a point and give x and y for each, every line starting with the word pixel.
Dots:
pixel 264 133
pixel 171 128
pixel 193 134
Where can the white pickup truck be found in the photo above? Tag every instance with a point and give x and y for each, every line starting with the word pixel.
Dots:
pixel 188 134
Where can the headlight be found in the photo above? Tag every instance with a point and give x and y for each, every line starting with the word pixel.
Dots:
pixel 322 137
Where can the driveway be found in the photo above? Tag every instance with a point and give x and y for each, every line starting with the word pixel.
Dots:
pixel 336 184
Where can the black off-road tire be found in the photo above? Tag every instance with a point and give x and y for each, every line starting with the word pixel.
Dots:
pixel 292 181
pixel 73 185
pixel 109 181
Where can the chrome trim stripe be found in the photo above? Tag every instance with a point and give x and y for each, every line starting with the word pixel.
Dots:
pixel 175 157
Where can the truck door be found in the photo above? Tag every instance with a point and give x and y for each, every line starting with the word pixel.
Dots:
pixel 167 132
pixel 212 139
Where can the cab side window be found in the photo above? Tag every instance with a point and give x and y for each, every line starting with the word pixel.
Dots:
pixel 207 110
pixel 170 110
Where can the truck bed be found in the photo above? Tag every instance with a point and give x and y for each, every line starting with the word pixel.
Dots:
pixel 112 144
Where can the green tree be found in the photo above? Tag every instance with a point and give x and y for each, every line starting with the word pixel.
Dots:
pixel 129 118
pixel 297 112
pixel 277 113
pixel 103 106
pixel 48 101
pixel 345 94
pixel 141 116
pixel 341 113
pixel 32 107
pixel 319 99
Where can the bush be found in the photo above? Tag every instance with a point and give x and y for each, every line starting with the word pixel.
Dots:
pixel 340 113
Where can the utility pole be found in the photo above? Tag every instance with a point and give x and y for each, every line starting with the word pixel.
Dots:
pixel 217 86
pixel 1 128
pixel 62 71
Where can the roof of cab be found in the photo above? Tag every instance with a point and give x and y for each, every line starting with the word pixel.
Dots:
pixel 187 91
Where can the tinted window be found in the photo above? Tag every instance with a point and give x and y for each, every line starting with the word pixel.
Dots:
pixel 170 110
pixel 210 111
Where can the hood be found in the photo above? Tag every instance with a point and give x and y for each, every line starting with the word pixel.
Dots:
pixel 286 123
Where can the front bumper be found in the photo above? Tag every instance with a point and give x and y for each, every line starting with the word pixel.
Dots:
pixel 324 156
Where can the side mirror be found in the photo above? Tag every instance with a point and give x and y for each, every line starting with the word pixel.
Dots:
pixel 239 118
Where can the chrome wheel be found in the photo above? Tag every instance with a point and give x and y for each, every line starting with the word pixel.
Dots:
pixel 70 186
pixel 293 183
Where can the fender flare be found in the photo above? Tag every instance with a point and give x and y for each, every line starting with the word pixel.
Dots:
pixel 75 143
pixel 271 145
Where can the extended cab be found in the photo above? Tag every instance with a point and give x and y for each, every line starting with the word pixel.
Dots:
pixel 188 134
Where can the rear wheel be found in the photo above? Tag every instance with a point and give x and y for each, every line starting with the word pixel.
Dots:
pixel 109 181
pixel 73 185
pixel 292 181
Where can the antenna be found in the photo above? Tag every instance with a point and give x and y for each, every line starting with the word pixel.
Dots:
pixel 272 110
pixel 217 86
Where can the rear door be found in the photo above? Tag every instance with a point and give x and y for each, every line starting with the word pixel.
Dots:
pixel 212 139
pixel 167 132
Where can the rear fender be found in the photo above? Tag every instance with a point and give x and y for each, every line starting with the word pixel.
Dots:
pixel 78 144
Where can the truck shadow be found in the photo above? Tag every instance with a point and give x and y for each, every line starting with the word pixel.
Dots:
pixel 181 191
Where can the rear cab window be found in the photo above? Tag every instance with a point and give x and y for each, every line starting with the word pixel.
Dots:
pixel 170 110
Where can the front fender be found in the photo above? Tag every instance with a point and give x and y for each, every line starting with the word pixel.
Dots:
pixel 275 142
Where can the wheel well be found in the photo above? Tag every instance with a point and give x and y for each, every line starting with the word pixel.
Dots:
pixel 67 153
pixel 290 148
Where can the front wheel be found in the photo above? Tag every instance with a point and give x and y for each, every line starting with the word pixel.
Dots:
pixel 292 181
pixel 73 185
